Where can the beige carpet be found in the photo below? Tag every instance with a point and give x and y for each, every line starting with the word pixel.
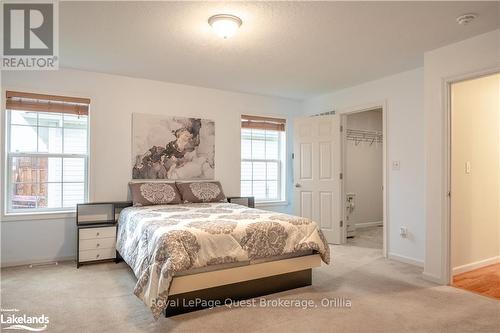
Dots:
pixel 386 296
pixel 370 237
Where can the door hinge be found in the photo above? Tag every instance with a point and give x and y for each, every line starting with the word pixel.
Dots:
pixel 341 176
pixel 341 223
pixel 341 128
pixel 293 156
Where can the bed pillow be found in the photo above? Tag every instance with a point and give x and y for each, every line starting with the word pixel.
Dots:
pixel 154 193
pixel 201 191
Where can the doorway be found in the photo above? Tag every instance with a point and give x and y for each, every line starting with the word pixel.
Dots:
pixel 363 178
pixel 475 185
pixel 318 171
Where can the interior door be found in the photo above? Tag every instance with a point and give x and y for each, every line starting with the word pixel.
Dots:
pixel 317 178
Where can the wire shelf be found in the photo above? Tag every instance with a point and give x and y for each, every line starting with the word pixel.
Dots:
pixel 359 136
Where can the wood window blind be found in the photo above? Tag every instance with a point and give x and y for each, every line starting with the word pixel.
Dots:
pixel 264 123
pixel 23 101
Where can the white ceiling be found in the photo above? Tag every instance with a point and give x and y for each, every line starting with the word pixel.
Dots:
pixel 288 49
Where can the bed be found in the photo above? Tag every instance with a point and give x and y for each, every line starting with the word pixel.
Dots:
pixel 198 255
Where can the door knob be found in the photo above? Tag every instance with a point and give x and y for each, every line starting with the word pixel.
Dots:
pixel 297 185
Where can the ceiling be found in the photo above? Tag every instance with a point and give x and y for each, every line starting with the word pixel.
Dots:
pixel 287 49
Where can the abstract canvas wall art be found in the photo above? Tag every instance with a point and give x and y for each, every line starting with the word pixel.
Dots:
pixel 166 147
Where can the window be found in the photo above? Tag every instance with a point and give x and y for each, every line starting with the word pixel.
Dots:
pixel 47 152
pixel 263 158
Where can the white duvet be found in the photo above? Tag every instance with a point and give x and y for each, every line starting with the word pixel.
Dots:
pixel 158 241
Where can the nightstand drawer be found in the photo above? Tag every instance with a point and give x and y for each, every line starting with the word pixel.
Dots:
pixel 97 243
pixel 100 254
pixel 104 232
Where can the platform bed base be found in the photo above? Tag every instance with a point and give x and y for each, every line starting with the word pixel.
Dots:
pixel 223 295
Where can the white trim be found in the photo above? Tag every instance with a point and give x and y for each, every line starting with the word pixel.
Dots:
pixel 356 109
pixel 47 215
pixel 64 213
pixel 271 203
pixel 431 278
pixel 35 262
pixel 475 265
pixel 406 260
pixel 7 211
pixel 446 269
pixel 369 224
pixel 281 162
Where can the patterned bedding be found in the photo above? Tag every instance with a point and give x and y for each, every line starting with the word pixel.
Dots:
pixel 159 241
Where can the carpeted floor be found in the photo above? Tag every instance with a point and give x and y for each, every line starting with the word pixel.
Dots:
pixel 386 296
pixel 371 237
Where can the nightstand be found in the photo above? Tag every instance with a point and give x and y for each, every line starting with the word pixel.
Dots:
pixel 245 201
pixel 96 231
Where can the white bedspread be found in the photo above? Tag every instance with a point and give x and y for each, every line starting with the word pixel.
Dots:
pixel 158 241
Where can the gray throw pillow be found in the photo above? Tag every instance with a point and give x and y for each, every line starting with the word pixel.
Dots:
pixel 154 193
pixel 201 191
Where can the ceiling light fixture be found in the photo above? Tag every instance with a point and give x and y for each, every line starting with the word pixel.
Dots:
pixel 466 18
pixel 225 25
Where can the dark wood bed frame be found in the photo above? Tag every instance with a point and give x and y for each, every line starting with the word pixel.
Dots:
pixel 222 295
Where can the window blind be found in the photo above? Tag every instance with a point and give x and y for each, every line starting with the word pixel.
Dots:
pixel 263 123
pixel 22 101
pixel 46 151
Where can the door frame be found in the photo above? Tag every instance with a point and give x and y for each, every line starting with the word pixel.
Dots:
pixel 448 82
pixel 343 113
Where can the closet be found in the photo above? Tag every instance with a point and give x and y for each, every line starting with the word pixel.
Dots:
pixel 363 166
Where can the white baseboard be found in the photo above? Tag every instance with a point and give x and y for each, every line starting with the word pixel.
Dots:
pixel 475 265
pixel 433 278
pixel 406 260
pixel 368 224
pixel 35 262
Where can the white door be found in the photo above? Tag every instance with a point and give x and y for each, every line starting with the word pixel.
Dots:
pixel 317 179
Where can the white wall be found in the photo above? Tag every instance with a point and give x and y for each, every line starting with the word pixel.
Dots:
pixel 114 99
pixel 455 61
pixel 475 219
pixel 363 171
pixel 403 95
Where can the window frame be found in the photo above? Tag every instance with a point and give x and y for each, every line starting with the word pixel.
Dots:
pixel 7 211
pixel 282 163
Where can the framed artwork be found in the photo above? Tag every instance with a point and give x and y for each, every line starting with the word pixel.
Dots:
pixel 165 147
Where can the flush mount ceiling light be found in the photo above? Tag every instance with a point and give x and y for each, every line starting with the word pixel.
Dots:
pixel 225 25
pixel 466 18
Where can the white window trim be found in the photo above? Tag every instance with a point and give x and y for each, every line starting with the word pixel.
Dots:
pixel 43 214
pixel 60 215
pixel 282 171
pixel 271 203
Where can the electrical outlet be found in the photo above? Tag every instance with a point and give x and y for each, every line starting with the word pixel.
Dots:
pixel 403 232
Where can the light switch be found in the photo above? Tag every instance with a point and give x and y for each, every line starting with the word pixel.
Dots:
pixel 467 167
pixel 395 165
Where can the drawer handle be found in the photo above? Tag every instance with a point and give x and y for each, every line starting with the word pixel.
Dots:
pixel 97 256
pixel 98 245
pixel 97 234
